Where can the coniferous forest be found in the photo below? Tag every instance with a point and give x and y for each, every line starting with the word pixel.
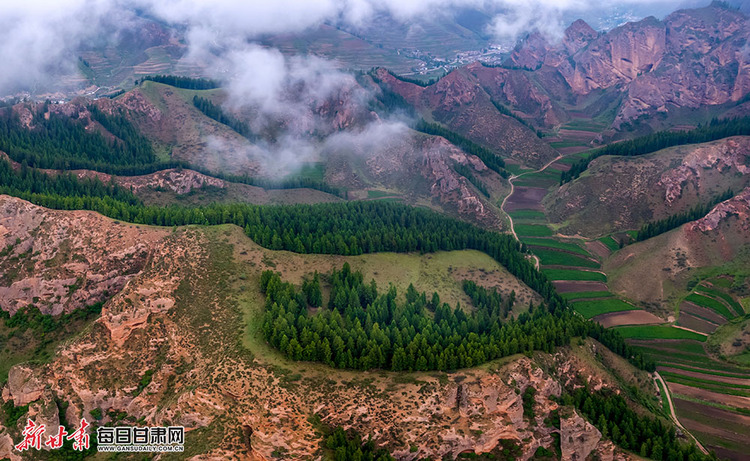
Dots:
pixel 714 130
pixel 188 83
pixel 643 435
pixel 58 142
pixel 348 228
pixel 654 228
pixel 363 328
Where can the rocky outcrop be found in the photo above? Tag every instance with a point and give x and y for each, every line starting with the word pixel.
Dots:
pixel 726 156
pixel 578 438
pixel 60 261
pixel 178 181
pixel 433 158
pixel 737 207
pixel 620 193
pixel 179 318
pixel 690 59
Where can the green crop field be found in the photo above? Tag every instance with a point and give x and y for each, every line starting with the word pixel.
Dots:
pixel 587 295
pixel 539 179
pixel 710 303
pixel 610 243
pixel 549 243
pixel 528 215
pixel 658 332
pixel 697 382
pixel 559 258
pixel 564 144
pixel 720 294
pixel 571 274
pixel 593 308
pixel 533 230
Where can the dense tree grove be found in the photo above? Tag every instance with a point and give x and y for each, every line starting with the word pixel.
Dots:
pixel 187 83
pixel 350 447
pixel 58 142
pixel 29 181
pixel 716 129
pixel 215 112
pixel 416 81
pixel 647 436
pixel 365 329
pixel 348 228
pixel 489 301
pixel 492 160
pixel 653 228
pixel 466 172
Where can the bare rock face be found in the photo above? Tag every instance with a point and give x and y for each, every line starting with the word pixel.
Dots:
pixel 726 156
pixel 7 446
pixel 60 261
pixel 23 385
pixel 692 58
pixel 178 181
pixel 738 207
pixel 623 193
pixel 578 438
pixel 617 57
pixel 433 158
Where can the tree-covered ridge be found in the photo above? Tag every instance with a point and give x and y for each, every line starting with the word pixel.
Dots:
pixel 654 228
pixel 215 112
pixel 363 328
pixel 644 435
pixel 492 160
pixel 714 130
pixel 58 142
pixel 347 228
pixel 188 83
pixel 26 182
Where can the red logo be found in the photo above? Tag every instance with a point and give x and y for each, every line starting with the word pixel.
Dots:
pixel 32 437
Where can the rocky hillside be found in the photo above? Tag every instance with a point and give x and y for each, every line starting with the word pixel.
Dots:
pixel 181 319
pixel 60 261
pixel 620 193
pixel 459 101
pixel 692 58
pixel 647 270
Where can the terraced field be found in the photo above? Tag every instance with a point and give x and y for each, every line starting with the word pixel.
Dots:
pixel 711 395
pixel 711 398
pixel 703 355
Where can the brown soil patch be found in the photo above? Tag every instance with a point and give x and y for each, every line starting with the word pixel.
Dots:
pixel 574 286
pixel 598 248
pixel 712 412
pixel 709 396
pixel 560 166
pixel 571 150
pixel 526 198
pixel 698 311
pixel 694 323
pixel 614 319
pixel 694 374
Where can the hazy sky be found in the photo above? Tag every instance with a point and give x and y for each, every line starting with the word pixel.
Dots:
pixel 41 36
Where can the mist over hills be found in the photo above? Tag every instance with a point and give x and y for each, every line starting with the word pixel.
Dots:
pixel 359 229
